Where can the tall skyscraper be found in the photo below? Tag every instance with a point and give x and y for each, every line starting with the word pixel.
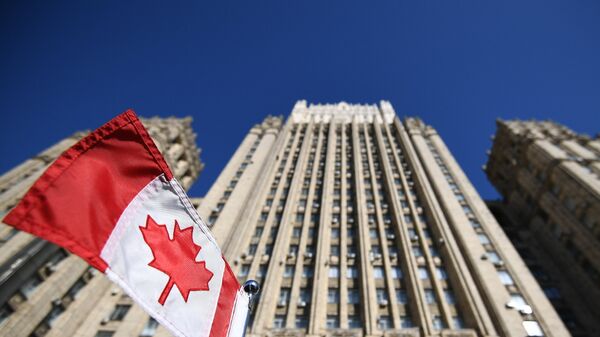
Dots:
pixel 549 178
pixel 359 224
pixel 45 291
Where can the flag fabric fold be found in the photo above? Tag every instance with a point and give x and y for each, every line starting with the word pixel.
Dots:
pixel 112 200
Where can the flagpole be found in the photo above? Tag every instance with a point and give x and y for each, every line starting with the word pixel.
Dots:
pixel 251 288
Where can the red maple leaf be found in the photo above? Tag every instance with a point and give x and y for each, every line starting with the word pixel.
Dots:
pixel 177 258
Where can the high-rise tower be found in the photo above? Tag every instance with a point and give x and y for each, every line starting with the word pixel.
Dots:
pixel 549 179
pixel 356 223
pixel 44 290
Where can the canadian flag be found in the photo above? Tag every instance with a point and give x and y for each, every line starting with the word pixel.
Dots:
pixel 112 200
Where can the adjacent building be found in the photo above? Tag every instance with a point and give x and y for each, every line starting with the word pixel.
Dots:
pixel 359 224
pixel 549 179
pixel 44 290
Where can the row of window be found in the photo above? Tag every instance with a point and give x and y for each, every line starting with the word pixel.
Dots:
pixel 517 301
pixel 214 215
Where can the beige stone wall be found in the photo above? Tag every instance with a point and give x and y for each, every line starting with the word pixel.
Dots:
pixel 354 223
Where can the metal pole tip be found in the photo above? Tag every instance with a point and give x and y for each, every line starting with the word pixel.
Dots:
pixel 251 287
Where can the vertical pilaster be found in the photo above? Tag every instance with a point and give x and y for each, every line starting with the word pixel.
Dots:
pixel 343 312
pixel 321 279
pixel 368 294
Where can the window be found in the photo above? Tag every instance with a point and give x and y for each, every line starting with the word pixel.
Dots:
pixel 438 324
pixel 244 270
pixel 505 277
pixel 427 233
pixel 350 232
pixel 378 272
pixel 76 288
pixel 533 328
pixel 417 251
pixel 411 233
pixel 384 322
pixel 305 294
pixel 492 256
pixel 301 322
pixel 335 233
pixel 354 322
pixel 103 333
pixel 351 272
pixel 307 272
pixel 279 321
pixel 333 322
pixel 401 296
pixel 119 312
pixel 458 322
pixel 149 328
pixel 353 296
pixel 262 270
pixel 333 295
pixel 284 295
pixel 381 295
pixel 5 311
pixel 474 223
pixel 335 250
pixel 288 271
pixel 296 232
pixel 405 322
pixel 483 239
pixel 30 285
pixel 373 233
pixel 423 274
pixel 430 296
pixel 396 272
pixel 450 299
pixel 441 273
pixel 334 271
pixel 53 314
pixel 434 252
pixel 516 301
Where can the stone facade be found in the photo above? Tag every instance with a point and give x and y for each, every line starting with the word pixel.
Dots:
pixel 356 224
pixel 45 291
pixel 549 178
pixel 359 224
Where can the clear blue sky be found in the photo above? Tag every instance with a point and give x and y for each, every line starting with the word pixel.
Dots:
pixel 459 65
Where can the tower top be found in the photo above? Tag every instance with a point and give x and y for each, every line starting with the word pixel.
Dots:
pixel 343 112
